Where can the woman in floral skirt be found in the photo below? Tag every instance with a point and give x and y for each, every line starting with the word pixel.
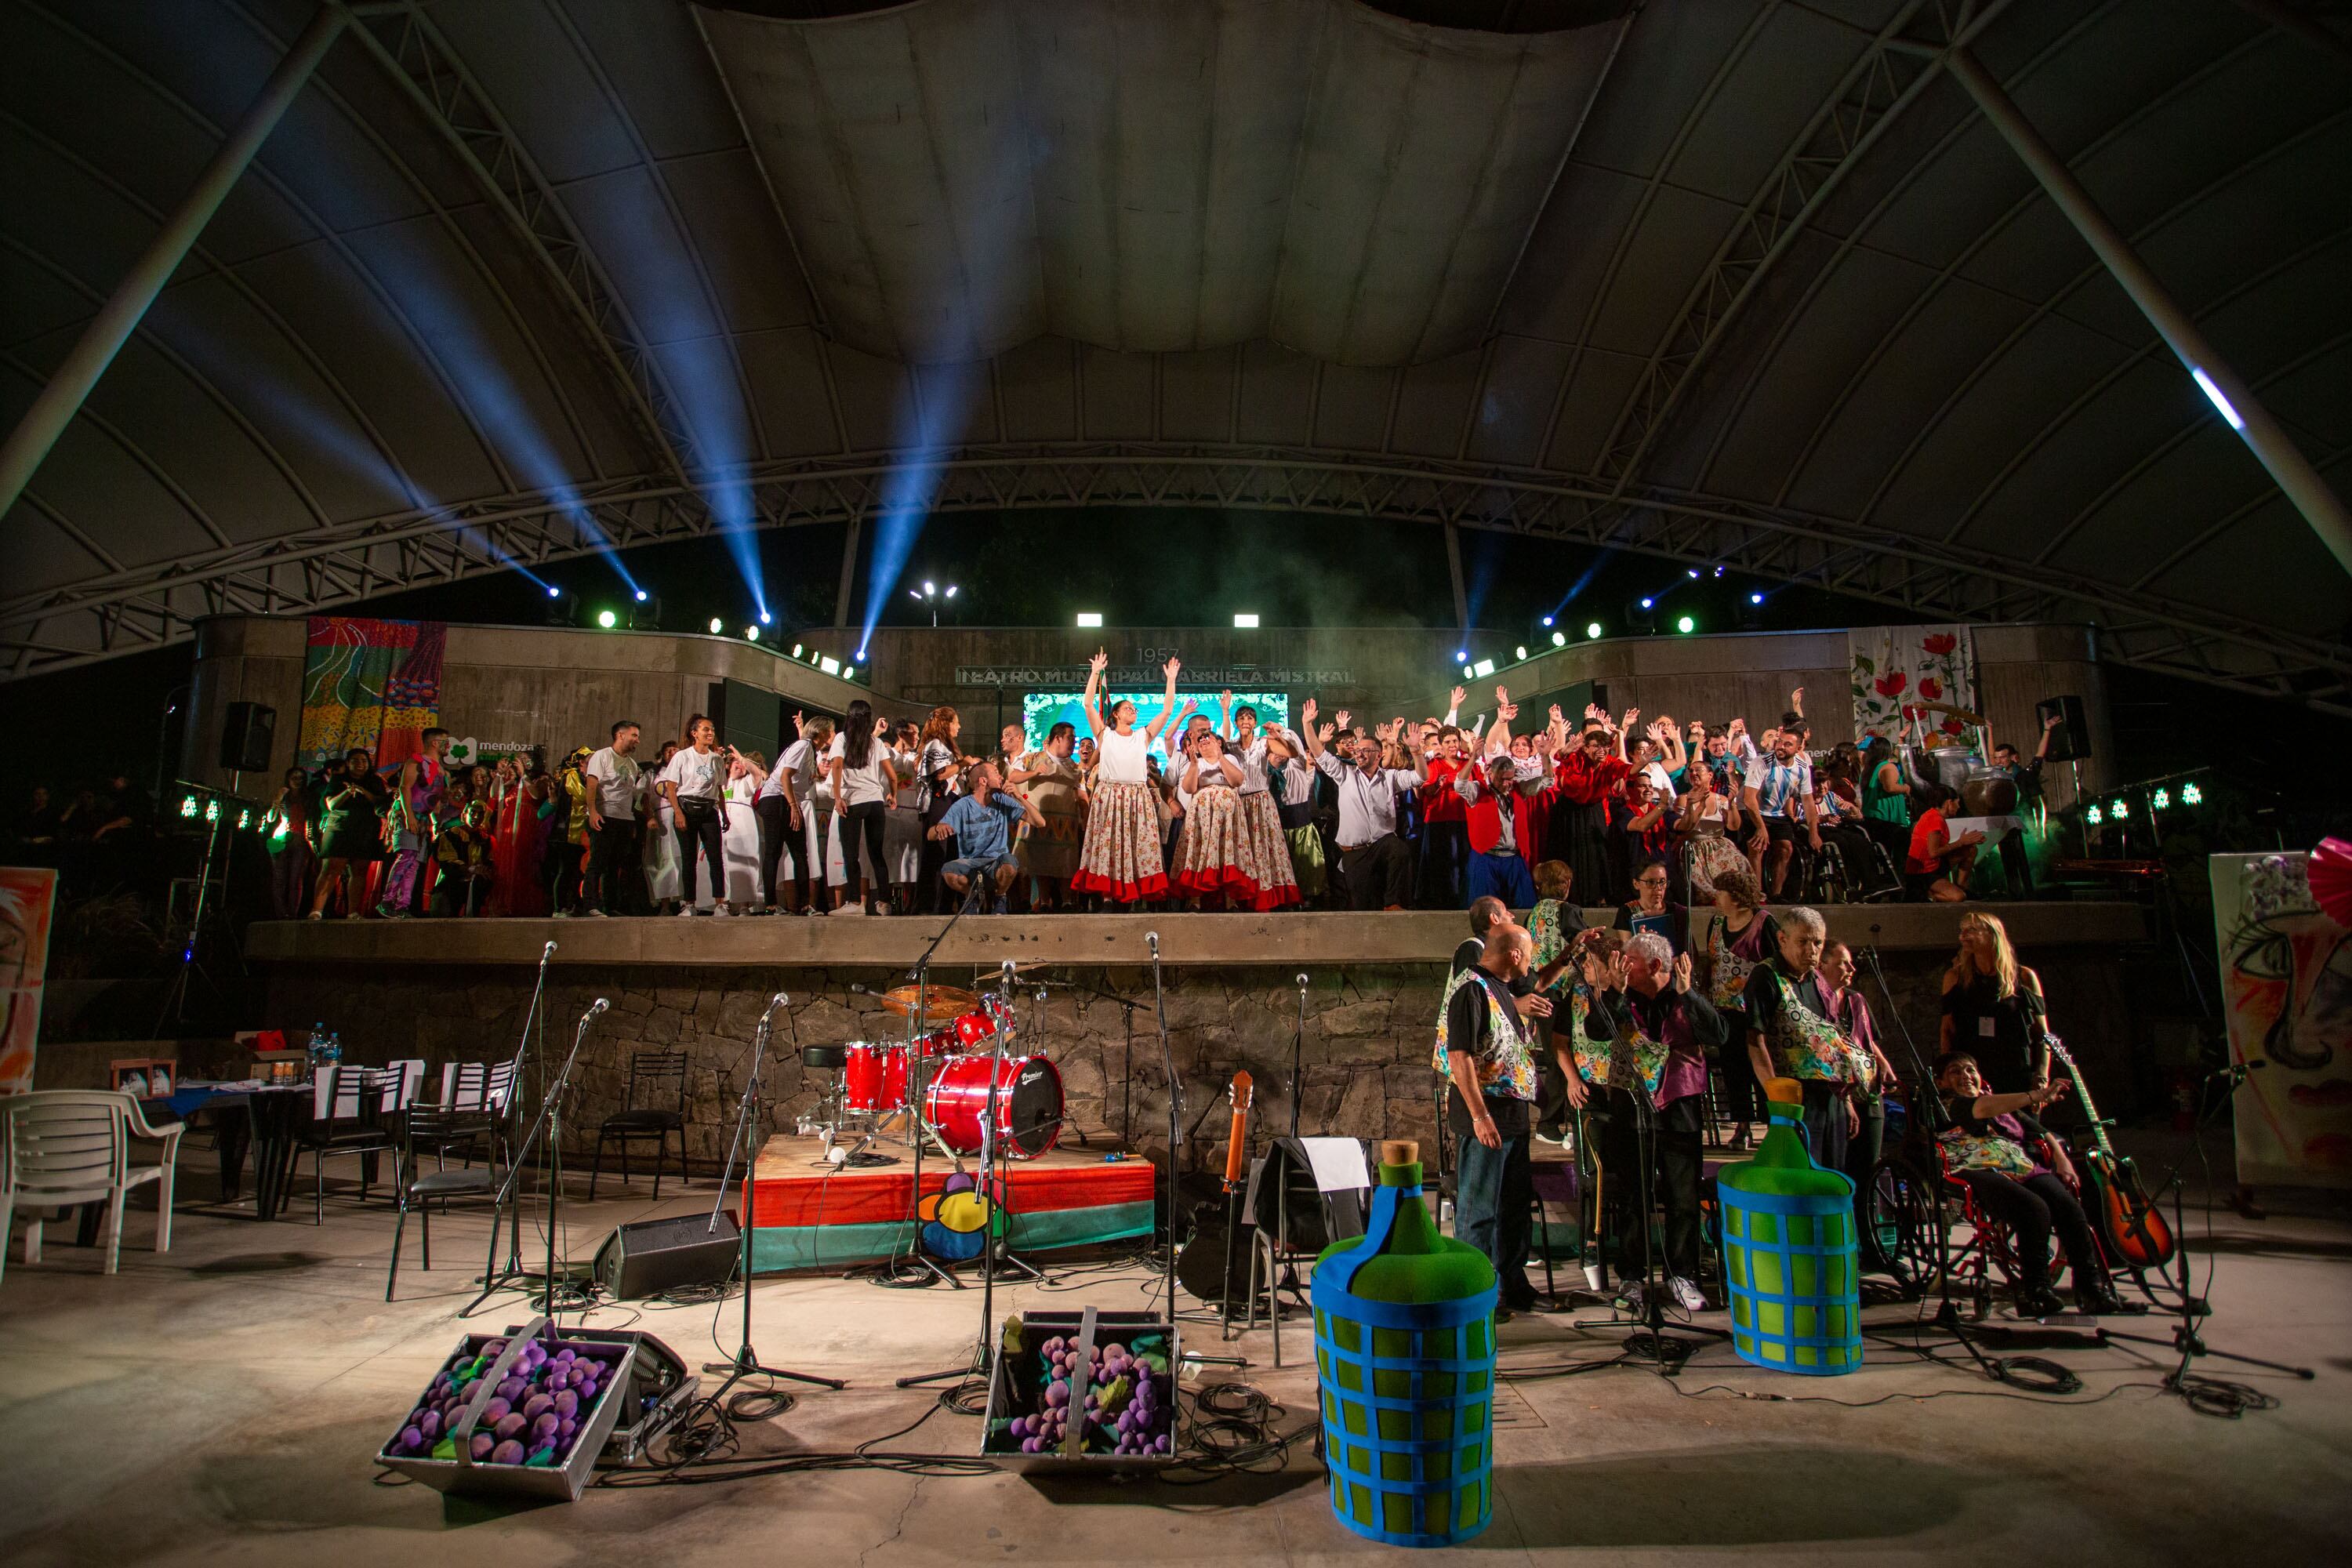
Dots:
pixel 1121 859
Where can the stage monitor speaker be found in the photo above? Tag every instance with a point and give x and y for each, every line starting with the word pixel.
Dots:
pixel 2071 740
pixel 649 1257
pixel 246 735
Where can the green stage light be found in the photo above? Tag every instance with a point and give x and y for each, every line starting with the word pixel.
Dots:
pixel 2093 817
pixel 2120 809
pixel 1520 651
pixel 188 807
pixel 245 818
pixel 607 619
pixel 211 810
pixel 796 650
pixel 1685 626
pixel 2191 795
pixel 1559 639
pixel 1591 630
pixel 717 625
pixel 750 634
pixel 2163 799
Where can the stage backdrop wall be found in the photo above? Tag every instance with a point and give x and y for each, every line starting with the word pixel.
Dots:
pixel 2286 989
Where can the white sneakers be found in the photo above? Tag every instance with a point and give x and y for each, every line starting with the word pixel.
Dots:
pixel 849 908
pixel 1686 1294
pixel 1633 1299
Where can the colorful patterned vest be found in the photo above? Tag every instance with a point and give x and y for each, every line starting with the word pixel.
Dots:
pixel 1633 1055
pixel 1505 1067
pixel 1807 1045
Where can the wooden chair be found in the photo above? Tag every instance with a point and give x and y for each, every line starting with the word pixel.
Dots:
pixel 652 1075
pixel 351 1112
pixel 435 1127
pixel 71 1146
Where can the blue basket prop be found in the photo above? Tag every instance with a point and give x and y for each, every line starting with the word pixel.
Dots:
pixel 1408 1403
pixel 1788 1259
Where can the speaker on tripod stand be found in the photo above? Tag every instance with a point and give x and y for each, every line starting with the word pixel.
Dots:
pixel 249 730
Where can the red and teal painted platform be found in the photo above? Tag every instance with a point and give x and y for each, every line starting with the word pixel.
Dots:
pixel 806 1215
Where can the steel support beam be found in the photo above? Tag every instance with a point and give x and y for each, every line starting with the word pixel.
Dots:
pixel 2320 506
pixel 108 331
pixel 848 575
pixel 1453 566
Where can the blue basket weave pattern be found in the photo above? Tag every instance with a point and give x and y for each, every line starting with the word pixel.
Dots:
pixel 1408 1403
pixel 1795 1252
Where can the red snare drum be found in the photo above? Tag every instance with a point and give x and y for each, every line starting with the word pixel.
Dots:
pixel 973 1031
pixel 875 1077
pixel 1028 1103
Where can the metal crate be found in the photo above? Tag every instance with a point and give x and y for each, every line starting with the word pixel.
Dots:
pixel 561 1483
pixel 1003 1397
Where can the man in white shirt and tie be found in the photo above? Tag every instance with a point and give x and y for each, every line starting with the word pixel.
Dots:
pixel 1373 857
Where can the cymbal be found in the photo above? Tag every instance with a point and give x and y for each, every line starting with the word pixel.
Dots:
pixel 943 1005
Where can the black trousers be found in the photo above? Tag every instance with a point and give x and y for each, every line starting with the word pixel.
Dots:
pixel 1825 1133
pixel 1494 1191
pixel 867 818
pixel 698 827
pixel 1380 874
pixel 777 839
pixel 612 849
pixel 1675 1163
pixel 563 872
pixel 2032 1209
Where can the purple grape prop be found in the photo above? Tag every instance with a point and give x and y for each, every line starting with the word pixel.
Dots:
pixel 534 1413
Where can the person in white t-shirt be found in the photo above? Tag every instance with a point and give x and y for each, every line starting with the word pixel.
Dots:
pixel 865 781
pixel 615 784
pixel 1121 860
pixel 695 784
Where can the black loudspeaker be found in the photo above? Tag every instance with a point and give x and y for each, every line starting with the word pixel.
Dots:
pixel 2071 741
pixel 656 1254
pixel 246 735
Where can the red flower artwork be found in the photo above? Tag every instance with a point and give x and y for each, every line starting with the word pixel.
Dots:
pixel 1890 685
pixel 1930 687
pixel 1942 642
pixel 1954 727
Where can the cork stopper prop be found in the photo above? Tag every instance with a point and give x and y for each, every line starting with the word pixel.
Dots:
pixel 1784 1090
pixel 1400 1162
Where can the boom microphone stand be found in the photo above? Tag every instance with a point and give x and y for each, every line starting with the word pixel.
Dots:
pixel 550 1116
pixel 492 1276
pixel 745 1363
pixel 918 1072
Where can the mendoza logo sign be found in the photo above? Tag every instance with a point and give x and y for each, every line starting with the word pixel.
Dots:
pixel 1153 676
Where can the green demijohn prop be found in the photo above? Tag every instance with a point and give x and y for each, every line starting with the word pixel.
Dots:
pixel 1789 1251
pixel 1404 1352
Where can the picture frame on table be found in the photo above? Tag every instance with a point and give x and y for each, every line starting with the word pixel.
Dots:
pixel 144 1077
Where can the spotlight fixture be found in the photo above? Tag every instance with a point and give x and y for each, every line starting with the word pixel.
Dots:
pixel 766 619
pixel 2094 816
pixel 1649 604
pixel 1641 617
pixel 1719 570
pixel 642 595
pixel 1482 669
pixel 1559 639
pixel 1519 652
pixel 1090 617
pixel 1547 620
pixel 1244 620
pixel 553 592
pixel 607 619
pixel 1461 655
pixel 830 665
pixel 1467 672
pixel 950 593
pixel 717 625
pixel 2191 795
pixel 2120 808
pixel 1685 626
pixel 1692 573
pixel 1756 599
pixel 750 634
pixel 2161 800
pixel 848 672
pixel 929 588
pixel 1591 630
pixel 796 650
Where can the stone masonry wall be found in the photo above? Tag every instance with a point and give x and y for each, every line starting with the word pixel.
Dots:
pixel 1364 1064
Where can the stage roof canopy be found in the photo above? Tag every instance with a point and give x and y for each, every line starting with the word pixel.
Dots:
pixel 1733 281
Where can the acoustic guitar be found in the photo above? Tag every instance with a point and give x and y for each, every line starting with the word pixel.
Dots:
pixel 2131 1227
pixel 1211 1266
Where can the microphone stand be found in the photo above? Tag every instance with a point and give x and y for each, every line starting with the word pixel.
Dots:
pixel 919 1071
pixel 523 1043
pixel 550 1116
pixel 1297 1048
pixel 1175 1130
pixel 745 1364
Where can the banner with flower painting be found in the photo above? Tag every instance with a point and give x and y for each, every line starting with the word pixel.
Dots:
pixel 1901 670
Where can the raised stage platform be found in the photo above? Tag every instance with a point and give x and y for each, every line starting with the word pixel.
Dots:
pixel 807 1215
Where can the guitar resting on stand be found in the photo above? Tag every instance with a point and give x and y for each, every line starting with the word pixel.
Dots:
pixel 1215 1232
pixel 2130 1225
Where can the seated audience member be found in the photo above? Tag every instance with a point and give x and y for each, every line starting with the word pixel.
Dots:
pixel 980 824
pixel 2019 1176
pixel 1939 863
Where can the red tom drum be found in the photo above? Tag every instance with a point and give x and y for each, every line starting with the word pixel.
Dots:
pixel 875 1077
pixel 1028 1103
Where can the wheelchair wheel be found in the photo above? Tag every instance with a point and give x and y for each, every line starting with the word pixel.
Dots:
pixel 1903 1225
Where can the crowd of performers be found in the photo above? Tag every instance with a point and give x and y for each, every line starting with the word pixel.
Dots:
pixel 1548 1026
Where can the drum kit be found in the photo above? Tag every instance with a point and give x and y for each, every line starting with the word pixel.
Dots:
pixel 956 1070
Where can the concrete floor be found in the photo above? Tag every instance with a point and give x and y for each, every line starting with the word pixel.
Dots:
pixel 220 1402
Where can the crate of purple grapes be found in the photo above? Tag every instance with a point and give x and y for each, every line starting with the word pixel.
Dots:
pixel 522 1415
pixel 1090 1390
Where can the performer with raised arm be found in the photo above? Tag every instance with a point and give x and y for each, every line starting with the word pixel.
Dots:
pixel 1121 860
pixel 1254 748
pixel 1373 859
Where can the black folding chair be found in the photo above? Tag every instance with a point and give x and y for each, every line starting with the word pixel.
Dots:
pixel 652 1075
pixel 435 1127
pixel 360 1103
pixel 479 1094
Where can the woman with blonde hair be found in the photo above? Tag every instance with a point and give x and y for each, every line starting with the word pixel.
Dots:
pixel 1994 1008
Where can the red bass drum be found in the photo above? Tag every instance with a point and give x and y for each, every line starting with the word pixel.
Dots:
pixel 1028 1103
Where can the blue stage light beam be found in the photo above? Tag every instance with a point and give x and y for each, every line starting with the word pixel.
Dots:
pixel 249 377
pixel 1590 571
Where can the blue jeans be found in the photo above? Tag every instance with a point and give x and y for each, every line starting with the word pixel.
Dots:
pixel 1494 1191
pixel 1505 877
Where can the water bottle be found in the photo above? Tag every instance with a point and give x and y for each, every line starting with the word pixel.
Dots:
pixel 335 1047
pixel 317 1049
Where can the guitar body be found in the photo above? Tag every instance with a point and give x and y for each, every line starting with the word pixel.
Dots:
pixel 1214 1264
pixel 2132 1228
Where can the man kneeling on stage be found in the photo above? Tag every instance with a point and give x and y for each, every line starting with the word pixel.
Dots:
pixel 1483 1045
pixel 1651 1030
pixel 981 825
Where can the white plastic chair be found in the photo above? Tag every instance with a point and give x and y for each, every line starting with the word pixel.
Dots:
pixel 69 1146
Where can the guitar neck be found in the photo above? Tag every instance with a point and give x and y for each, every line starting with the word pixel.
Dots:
pixel 2083 1091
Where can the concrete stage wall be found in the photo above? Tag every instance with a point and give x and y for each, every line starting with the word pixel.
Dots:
pixel 449 990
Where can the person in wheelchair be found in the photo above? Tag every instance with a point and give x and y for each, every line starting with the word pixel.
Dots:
pixel 2019 1177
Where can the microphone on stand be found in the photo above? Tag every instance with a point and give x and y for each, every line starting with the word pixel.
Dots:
pixel 547 953
pixel 1301 980
pixel 1153 938
pixel 600 1006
